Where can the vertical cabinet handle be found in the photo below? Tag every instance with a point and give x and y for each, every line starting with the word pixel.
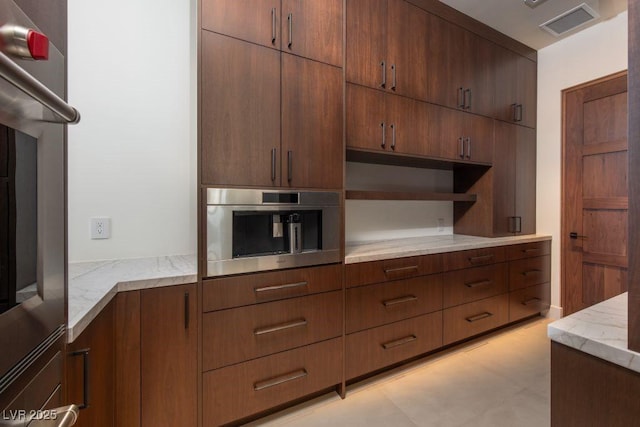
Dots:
pixel 274 24
pixel 384 136
pixel 393 77
pixel 461 142
pixel 384 75
pixel 467 99
pixel 85 376
pixel 393 136
pixel 273 164
pixel 519 116
pixel 460 97
pixel 468 147
pixel 514 112
pixel 289 165
pixel 290 19
pixel 186 310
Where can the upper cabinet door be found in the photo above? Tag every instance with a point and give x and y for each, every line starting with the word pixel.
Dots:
pixel 240 119
pixel 313 29
pixel 367 43
pixel 312 147
pixel 527 78
pixel 505 78
pixel 481 98
pixel 478 138
pixel 440 81
pixel 367 121
pixel 257 21
pixel 407 48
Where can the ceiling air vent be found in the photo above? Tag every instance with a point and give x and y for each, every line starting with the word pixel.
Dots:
pixel 570 20
pixel 534 3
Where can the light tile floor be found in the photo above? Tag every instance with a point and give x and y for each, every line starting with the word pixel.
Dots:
pixel 499 380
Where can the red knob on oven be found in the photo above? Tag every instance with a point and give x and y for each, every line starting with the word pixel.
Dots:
pixel 24 42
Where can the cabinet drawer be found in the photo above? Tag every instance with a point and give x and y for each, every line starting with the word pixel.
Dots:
pixel 529 271
pixel 376 348
pixel 473 258
pixel 262 287
pixel 467 320
pixel 375 305
pixel 366 273
pixel 473 284
pixel 239 334
pixel 242 390
pixel 528 250
pixel 529 301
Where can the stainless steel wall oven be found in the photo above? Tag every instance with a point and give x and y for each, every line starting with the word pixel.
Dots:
pixel 255 230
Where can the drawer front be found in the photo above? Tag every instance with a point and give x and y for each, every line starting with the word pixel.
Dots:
pixel 473 258
pixel 375 305
pixel 529 301
pixel 242 390
pixel 529 271
pixel 473 284
pixel 366 273
pixel 244 333
pixel 528 250
pixel 376 348
pixel 471 319
pixel 249 289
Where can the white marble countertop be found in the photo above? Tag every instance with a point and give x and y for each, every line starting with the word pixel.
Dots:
pixel 415 246
pixel 599 330
pixel 93 284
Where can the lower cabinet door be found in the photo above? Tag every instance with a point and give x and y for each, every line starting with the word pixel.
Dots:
pixel 471 319
pixel 373 349
pixel 242 390
pixel 529 301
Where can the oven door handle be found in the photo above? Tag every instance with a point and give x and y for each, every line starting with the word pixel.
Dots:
pixel 24 81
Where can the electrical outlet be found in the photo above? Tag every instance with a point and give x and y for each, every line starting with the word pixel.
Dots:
pixel 101 227
pixel 440 224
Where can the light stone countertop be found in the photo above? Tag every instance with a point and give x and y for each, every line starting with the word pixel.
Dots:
pixel 93 284
pixel 599 330
pixel 415 246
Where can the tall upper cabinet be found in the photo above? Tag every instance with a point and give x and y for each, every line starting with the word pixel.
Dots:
pixel 271 93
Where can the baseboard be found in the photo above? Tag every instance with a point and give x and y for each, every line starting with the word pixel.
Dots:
pixel 555 312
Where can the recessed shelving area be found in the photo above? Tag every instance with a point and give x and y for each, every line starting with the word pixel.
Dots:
pixel 409 195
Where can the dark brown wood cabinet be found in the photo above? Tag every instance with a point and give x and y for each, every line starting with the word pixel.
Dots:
pixel 516 86
pixel 311 28
pixel 93 354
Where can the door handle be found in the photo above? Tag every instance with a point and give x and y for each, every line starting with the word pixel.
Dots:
pixel 290 19
pixel 461 141
pixel 393 136
pixel 289 166
pixel 85 376
pixel 460 97
pixel 384 75
pixel 467 101
pixel 384 136
pixel 393 77
pixel 519 110
pixel 468 147
pixel 273 26
pixel 573 235
pixel 273 164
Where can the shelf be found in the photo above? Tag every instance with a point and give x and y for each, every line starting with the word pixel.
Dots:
pixel 403 195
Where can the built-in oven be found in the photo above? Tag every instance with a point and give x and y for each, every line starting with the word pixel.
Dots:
pixel 33 271
pixel 255 230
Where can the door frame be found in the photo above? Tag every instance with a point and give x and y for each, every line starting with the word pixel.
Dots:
pixel 564 239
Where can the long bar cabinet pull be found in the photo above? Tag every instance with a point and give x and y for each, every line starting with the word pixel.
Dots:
pixel 262 385
pixel 290 19
pixel 519 115
pixel 460 97
pixel 86 382
pixel 273 164
pixel 393 136
pixel 384 136
pixel 280 287
pixel 384 75
pixel 401 300
pixel 289 165
pixel 514 111
pixel 273 25
pixel 531 301
pixel 186 310
pixel 530 250
pixel 475 259
pixel 461 142
pixel 399 269
pixel 477 317
pixel 531 272
pixel 485 282
pixel 468 147
pixel 393 77
pixel 281 327
pixel 467 101
pixel 399 342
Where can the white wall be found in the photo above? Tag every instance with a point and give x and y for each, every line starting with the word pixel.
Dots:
pixel 132 75
pixel 595 52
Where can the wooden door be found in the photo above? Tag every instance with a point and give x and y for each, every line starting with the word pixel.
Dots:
pixel 313 29
pixel 440 88
pixel 504 177
pixel 506 84
pixel 240 126
pixel 595 189
pixel 481 69
pixel 450 133
pixel 478 134
pixel 169 351
pixel 408 125
pixel 407 46
pixel 525 179
pixel 256 21
pixel 459 66
pixel 527 78
pixel 366 43
pixel 312 146
pixel 366 125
